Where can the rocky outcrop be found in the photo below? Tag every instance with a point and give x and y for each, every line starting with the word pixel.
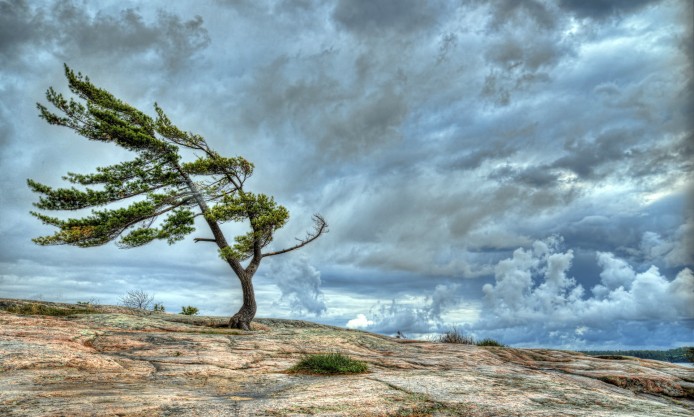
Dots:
pixel 110 362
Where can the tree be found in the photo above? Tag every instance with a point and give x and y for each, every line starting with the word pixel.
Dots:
pixel 137 299
pixel 189 311
pixel 164 194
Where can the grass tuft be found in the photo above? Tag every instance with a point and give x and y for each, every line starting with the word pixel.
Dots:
pixel 329 364
pixel 489 342
pixel 456 336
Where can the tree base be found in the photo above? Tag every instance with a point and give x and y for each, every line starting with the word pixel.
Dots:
pixel 240 321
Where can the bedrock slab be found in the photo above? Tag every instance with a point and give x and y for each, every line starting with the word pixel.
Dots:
pixel 110 362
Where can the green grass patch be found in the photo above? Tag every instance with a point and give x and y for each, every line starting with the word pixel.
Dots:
pixel 35 309
pixel 329 364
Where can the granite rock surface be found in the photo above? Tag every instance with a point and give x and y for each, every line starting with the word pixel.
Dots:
pixel 110 361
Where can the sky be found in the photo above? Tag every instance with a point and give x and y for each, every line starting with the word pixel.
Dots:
pixel 520 170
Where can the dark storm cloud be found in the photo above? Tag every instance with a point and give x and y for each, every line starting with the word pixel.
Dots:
pixel 533 176
pixel 69 30
pixel 525 42
pixel 340 119
pixel 369 18
pixel 602 9
pixel 510 12
pixel 587 158
pixel 16 21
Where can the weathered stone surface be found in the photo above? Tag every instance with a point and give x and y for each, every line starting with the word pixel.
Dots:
pixel 115 363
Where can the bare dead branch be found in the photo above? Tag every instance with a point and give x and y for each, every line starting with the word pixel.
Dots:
pixel 320 226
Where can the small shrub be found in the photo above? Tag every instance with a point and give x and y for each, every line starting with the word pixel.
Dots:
pixel 329 364
pixel 456 336
pixel 92 302
pixel 189 311
pixel 158 307
pixel 489 342
pixel 138 299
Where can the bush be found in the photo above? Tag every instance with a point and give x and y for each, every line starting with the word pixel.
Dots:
pixel 456 336
pixel 158 307
pixel 329 364
pixel 138 299
pixel 189 311
pixel 489 342
pixel 92 302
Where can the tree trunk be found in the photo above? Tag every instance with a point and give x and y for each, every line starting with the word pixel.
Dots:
pixel 242 319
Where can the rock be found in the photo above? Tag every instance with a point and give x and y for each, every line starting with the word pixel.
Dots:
pixel 111 361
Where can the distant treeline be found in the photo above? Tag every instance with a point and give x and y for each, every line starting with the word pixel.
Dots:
pixel 683 354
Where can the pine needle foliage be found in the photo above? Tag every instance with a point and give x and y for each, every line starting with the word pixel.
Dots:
pixel 189 311
pixel 158 194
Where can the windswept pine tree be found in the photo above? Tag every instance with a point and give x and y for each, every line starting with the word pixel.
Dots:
pixel 164 193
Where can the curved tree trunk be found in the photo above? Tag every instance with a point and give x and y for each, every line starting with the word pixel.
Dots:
pixel 242 319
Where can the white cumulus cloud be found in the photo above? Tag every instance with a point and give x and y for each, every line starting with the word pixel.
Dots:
pixel 534 298
pixel 359 322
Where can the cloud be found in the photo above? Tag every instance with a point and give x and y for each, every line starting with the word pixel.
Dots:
pixel 15 29
pixel 534 299
pixel 74 32
pixel 602 9
pixel 299 283
pixel 372 18
pixel 408 317
pixel 531 12
pixel 359 322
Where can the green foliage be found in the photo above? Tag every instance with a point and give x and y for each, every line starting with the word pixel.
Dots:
pixel 329 364
pixel 159 307
pixel 489 342
pixel 454 335
pixel 265 217
pixel 238 167
pixel 189 311
pixel 683 354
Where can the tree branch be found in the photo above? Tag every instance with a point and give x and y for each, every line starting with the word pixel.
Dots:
pixel 203 239
pixel 320 226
